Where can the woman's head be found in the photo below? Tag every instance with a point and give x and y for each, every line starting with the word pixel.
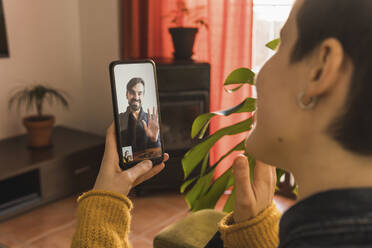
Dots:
pixel 324 54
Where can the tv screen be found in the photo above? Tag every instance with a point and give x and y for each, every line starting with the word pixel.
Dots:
pixel 3 41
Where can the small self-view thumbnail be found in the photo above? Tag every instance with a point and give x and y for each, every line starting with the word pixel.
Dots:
pixel 127 154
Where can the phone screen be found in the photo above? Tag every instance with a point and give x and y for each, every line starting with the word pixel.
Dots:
pixel 137 112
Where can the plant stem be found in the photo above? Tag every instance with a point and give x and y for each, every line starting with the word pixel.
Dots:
pixel 39 107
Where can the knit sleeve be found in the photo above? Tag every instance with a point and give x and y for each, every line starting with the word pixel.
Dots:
pixel 103 220
pixel 260 231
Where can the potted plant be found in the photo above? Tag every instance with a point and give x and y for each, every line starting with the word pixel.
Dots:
pixel 186 21
pixel 39 126
pixel 202 191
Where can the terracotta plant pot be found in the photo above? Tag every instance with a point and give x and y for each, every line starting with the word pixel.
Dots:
pixel 183 41
pixel 39 130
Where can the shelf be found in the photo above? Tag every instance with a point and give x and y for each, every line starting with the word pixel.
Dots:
pixel 16 157
pixel 20 189
pixel 33 177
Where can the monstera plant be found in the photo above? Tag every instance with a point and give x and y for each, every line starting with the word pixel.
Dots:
pixel 201 191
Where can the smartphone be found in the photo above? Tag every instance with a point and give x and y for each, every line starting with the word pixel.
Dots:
pixel 135 101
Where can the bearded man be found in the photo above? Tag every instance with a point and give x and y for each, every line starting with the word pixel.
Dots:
pixel 138 129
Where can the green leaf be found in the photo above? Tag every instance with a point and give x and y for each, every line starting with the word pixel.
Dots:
pixel 208 182
pixel 238 147
pixel 31 99
pixel 194 156
pixel 240 76
pixel 201 123
pixel 295 189
pixel 36 96
pixel 204 129
pixel 233 89
pixel 19 96
pixel 229 205
pixel 186 184
pixel 252 165
pixel 210 199
pixel 279 174
pixel 215 192
pixel 59 95
pixel 273 45
pixel 200 188
pixel 204 165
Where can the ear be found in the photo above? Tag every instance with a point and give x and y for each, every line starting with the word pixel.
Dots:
pixel 326 68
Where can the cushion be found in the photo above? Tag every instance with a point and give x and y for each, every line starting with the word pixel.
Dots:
pixel 193 231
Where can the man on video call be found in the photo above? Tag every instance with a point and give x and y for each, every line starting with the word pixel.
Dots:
pixel 138 128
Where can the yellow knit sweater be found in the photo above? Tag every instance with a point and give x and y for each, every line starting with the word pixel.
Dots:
pixel 104 221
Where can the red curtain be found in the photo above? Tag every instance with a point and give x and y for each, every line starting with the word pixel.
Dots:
pixel 226 45
pixel 134 28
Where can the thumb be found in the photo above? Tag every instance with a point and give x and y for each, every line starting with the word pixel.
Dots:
pixel 243 187
pixel 111 153
pixel 110 139
pixel 139 170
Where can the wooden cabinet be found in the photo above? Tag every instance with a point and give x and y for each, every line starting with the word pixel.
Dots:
pixel 32 177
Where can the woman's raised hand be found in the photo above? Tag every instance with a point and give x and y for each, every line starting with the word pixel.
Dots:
pixel 251 198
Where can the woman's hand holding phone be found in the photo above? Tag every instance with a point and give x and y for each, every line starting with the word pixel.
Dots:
pixel 112 178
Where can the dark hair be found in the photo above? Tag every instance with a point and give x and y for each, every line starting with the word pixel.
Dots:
pixel 133 82
pixel 350 23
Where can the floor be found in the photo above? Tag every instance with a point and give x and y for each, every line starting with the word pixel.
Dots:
pixel 53 225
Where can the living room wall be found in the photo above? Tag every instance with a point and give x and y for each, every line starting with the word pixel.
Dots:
pixel 67 44
pixel 99 22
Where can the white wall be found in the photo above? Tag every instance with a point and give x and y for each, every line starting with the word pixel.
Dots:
pixel 68 44
pixel 99 22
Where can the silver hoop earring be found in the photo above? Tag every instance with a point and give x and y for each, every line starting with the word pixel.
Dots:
pixel 303 106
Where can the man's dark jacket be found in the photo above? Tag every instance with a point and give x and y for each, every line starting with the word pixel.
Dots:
pixel 133 133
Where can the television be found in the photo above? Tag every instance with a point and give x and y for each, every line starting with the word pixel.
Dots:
pixel 4 52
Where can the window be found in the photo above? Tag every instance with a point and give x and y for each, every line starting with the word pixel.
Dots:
pixel 269 17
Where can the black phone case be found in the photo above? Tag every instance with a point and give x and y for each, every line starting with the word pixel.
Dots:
pixel 154 161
